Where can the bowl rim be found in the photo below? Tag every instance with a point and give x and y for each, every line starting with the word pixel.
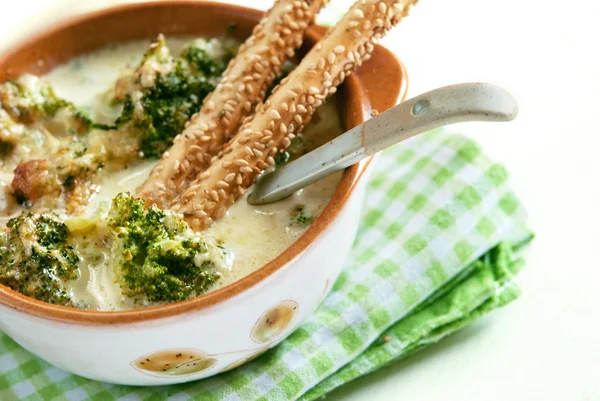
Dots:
pixel 30 306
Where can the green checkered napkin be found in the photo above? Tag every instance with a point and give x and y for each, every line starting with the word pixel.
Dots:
pixel 434 252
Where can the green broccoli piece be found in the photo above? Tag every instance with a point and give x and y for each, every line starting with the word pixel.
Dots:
pixel 37 257
pixel 199 59
pixel 167 90
pixel 156 255
pixel 30 100
pixel 281 159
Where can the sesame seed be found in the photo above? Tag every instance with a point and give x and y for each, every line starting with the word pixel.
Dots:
pixel 205 138
pixel 339 49
pixel 245 169
pixel 214 195
pixel 257 152
pixel 331 57
pixel 382 7
pixel 248 151
pixel 270 161
pixel 313 90
pixel 204 175
pixel 227 164
pixel 241 162
pixel 229 177
pixel 275 114
pixel 283 128
pixel 285 142
pixel 358 13
pixel 222 184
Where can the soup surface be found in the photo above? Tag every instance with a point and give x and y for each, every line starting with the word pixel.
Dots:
pixel 249 236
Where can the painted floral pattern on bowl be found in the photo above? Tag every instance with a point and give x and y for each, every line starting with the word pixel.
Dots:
pixel 274 321
pixel 174 362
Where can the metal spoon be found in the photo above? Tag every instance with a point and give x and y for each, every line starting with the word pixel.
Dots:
pixel 439 107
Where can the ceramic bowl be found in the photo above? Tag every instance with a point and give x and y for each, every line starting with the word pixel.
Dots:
pixel 225 328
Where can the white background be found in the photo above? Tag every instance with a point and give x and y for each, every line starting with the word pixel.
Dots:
pixel 546 345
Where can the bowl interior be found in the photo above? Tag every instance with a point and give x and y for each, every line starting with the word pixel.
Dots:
pixel 379 82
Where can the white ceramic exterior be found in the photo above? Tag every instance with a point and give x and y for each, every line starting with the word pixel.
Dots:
pixel 223 331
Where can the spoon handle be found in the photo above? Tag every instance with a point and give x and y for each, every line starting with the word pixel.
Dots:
pixel 448 105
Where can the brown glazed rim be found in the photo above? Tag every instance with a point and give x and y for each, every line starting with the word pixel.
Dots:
pixel 377 85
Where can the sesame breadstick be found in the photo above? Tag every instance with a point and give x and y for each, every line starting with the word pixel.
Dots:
pixel 243 85
pixel 288 109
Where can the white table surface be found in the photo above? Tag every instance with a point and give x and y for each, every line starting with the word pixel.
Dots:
pixel 546 345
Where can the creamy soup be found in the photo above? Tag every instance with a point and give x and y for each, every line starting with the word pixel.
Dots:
pixel 250 235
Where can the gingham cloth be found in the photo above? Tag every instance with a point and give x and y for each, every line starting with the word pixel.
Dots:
pixel 434 251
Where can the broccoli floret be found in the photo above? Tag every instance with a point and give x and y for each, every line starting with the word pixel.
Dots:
pixel 30 100
pixel 37 257
pixel 165 91
pixel 199 59
pixel 156 255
